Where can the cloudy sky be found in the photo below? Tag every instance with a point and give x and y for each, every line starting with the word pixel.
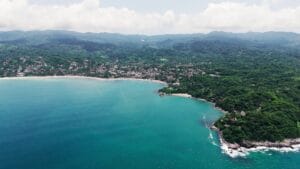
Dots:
pixel 151 16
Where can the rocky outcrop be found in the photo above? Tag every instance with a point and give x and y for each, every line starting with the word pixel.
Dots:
pixel 285 143
pixel 240 150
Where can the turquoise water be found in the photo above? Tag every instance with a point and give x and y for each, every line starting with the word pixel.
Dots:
pixel 91 124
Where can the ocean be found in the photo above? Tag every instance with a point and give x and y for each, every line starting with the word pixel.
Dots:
pixel 64 123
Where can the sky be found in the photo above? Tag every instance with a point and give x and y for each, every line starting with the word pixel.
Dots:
pixel 151 16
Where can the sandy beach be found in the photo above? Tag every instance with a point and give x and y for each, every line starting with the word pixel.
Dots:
pixel 182 95
pixel 82 77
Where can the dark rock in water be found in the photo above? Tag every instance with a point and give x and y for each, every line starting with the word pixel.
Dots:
pixel 285 143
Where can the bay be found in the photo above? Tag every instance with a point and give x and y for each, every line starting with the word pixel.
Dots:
pixel 55 123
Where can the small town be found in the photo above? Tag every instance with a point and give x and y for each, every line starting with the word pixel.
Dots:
pixel 26 66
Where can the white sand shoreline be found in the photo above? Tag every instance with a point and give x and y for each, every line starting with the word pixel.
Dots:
pixel 80 77
pixel 185 95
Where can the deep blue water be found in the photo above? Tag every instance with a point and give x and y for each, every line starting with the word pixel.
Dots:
pixel 92 124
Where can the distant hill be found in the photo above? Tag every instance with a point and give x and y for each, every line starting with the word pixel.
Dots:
pixel 286 39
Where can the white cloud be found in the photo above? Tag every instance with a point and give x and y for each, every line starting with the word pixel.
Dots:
pixel 89 16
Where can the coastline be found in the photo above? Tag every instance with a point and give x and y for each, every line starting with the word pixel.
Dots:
pixel 232 150
pixel 236 150
pixel 81 77
pixel 185 95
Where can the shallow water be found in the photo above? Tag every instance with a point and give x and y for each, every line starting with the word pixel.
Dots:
pixel 91 124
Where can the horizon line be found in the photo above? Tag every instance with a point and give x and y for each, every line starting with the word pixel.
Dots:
pixel 149 35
